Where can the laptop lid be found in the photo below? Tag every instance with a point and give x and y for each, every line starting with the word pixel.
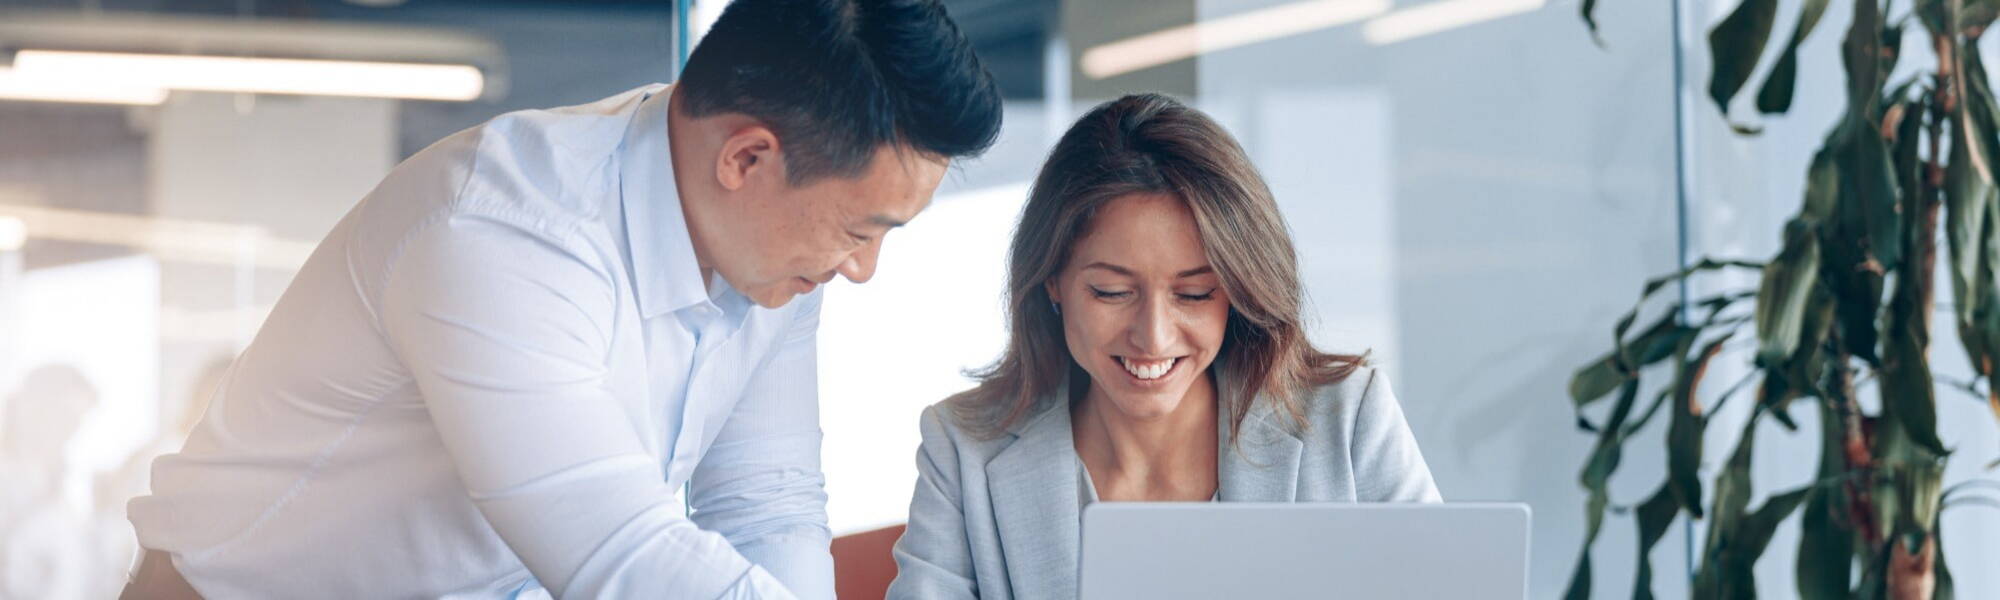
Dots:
pixel 1164 551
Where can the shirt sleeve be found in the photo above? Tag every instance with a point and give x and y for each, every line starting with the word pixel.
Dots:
pixel 1388 467
pixel 760 484
pixel 505 329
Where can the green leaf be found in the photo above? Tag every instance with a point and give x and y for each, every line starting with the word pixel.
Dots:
pixel 1975 16
pixel 1593 515
pixel 1594 381
pixel 1732 485
pixel 1967 190
pixel 1595 479
pixel 1610 442
pixel 1776 95
pixel 1973 221
pixel 1737 536
pixel 1908 115
pixel 1781 296
pixel 1589 13
pixel 1862 57
pixel 1753 536
pixel 1826 550
pixel 1822 184
pixel 1863 240
pixel 1704 265
pixel 1946 588
pixel 1579 580
pixel 1826 542
pixel 1979 99
pixel 1799 375
pixel 1606 373
pixel 1775 395
pixel 1758 527
pixel 1909 398
pixel 1735 44
pixel 1918 484
pixel 1871 182
pixel 1684 430
pixel 1732 498
pixel 1888 50
pixel 1653 516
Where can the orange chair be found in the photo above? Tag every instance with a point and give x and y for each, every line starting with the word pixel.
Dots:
pixel 863 565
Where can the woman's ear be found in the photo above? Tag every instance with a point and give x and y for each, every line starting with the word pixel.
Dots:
pixel 750 152
pixel 1054 291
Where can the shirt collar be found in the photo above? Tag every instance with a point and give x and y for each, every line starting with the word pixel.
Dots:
pixel 664 270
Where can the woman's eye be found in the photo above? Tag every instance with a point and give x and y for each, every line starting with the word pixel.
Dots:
pixel 1197 297
pixel 1109 295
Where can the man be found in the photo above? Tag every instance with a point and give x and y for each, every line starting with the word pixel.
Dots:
pixel 499 372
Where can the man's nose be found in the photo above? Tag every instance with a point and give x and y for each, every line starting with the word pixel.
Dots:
pixel 860 266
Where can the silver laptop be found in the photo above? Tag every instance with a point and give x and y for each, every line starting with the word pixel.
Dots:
pixel 1172 551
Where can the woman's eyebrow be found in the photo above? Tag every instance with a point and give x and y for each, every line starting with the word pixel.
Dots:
pixel 1201 270
pixel 1109 267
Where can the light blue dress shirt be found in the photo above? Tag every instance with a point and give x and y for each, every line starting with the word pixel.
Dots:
pixel 497 376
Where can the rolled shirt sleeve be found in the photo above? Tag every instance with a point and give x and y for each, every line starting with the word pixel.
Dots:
pixel 760 483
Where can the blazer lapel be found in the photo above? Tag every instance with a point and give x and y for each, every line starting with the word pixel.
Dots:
pixel 1263 466
pixel 1033 484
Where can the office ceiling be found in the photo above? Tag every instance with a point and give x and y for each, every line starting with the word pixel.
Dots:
pixel 561 52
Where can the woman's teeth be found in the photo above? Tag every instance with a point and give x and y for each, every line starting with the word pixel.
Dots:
pixel 1148 369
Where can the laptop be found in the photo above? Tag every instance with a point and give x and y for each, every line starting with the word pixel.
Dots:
pixel 1172 551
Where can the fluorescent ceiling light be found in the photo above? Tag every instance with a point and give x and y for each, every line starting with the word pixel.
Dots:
pixel 56 87
pixel 259 75
pixel 1438 16
pixel 1179 43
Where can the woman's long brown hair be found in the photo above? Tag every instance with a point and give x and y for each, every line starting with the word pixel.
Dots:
pixel 1149 143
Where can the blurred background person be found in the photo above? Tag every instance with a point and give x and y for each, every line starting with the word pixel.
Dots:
pixel 46 540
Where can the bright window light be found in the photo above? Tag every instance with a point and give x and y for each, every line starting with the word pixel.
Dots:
pixel 1442 15
pixel 1186 41
pixel 260 75
pixel 56 87
pixel 13 234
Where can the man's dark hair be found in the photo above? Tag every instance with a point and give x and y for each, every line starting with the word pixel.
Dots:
pixel 837 79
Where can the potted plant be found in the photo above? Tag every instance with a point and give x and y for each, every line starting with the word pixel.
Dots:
pixel 1848 298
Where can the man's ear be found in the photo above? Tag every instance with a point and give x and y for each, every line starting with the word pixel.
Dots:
pixel 750 152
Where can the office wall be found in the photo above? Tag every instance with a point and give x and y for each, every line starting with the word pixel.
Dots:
pixel 1479 205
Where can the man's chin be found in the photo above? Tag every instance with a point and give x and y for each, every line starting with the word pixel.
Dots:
pixel 779 294
pixel 773 297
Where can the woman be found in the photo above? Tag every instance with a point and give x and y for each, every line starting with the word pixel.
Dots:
pixel 1157 354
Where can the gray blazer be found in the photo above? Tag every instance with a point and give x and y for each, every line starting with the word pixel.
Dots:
pixel 997 517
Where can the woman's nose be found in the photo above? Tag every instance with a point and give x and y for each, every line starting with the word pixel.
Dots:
pixel 1152 331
